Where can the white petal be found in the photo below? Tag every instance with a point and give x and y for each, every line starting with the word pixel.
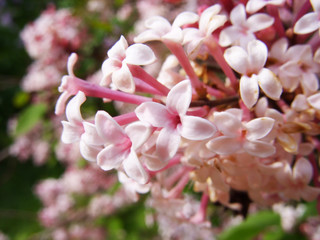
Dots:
pixel 109 66
pixel 224 145
pixel 158 23
pixel 227 123
pixel 314 101
pixel 123 79
pixel 71 132
pixel 259 128
pixel 259 21
pixel 258 53
pixel 90 135
pixel 300 103
pixel 112 157
pixel 138 133
pixel 207 16
pixel 146 36
pixel 270 84
pixel 238 15
pixel 229 35
pixel 179 98
pixel 307 23
pixel 139 54
pixel 279 48
pixel 89 152
pixel 259 148
pixel 175 35
pixel 109 129
pixel 249 90
pixel 315 5
pixel 167 143
pixel 196 128
pixel 134 169
pixel 73 108
pixel 309 83
pixel 118 49
pixel 153 113
pixel 215 22
pixel 316 57
pixel 185 18
pixel 237 58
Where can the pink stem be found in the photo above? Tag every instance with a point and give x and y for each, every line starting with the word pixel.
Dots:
pixel 74 84
pixel 174 177
pixel 199 112
pixel 126 118
pixel 140 73
pixel 177 190
pixel 274 12
pixel 141 86
pixel 200 216
pixel 227 4
pixel 314 42
pixel 216 51
pixel 172 162
pixel 180 54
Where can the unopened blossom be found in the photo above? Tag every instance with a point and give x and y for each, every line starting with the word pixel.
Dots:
pixel 242 29
pixel 238 136
pixel 309 22
pixel 173 120
pixel 121 145
pixel 116 68
pixel 250 64
pixel 255 5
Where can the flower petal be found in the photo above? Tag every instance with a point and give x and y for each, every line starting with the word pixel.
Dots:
pixel 71 132
pixel 179 98
pixel 73 108
pixel 196 128
pixel 134 169
pixel 118 49
pixel 229 35
pixel 89 152
pixel 270 84
pixel 175 35
pixel 259 128
pixel 153 113
pixel 123 79
pixel 227 123
pixel 90 135
pixel 111 157
pixel 108 129
pixel 146 36
pixel 314 101
pixel 185 18
pixel 259 148
pixel 139 54
pixel 167 143
pixel 224 145
pixel 258 53
pixel 138 132
pixel 302 171
pixel 259 21
pixel 237 58
pixel 249 90
pixel 238 15
pixel 307 23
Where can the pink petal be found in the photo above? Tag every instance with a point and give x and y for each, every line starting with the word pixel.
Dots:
pixel 307 23
pixel 134 169
pixel 259 148
pixel 196 128
pixel 254 6
pixel 71 132
pixel 112 157
pixel 109 66
pixel 61 103
pixel 185 18
pixel 154 163
pixel 179 98
pixel 259 21
pixel 227 123
pixel 237 58
pixel 89 152
pixel 249 90
pixel 123 79
pixel 73 108
pixel 108 129
pixel 314 101
pixel 90 135
pixel 153 113
pixel 224 145
pixel 259 128
pixel 300 103
pixel 302 170
pixel 270 84
pixel 138 133
pixel 310 193
pixel 139 54
pixel 258 53
pixel 118 49
pixel 167 143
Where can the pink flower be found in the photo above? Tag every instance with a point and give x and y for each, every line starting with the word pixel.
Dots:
pixel 121 146
pixel 250 63
pixel 173 121
pixel 116 65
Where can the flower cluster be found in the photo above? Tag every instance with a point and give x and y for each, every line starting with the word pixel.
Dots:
pixel 238 109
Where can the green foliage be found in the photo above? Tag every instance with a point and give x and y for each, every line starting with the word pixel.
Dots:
pixel 30 117
pixel 252 226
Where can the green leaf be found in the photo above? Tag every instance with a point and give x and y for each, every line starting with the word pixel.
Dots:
pixel 30 117
pixel 251 227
